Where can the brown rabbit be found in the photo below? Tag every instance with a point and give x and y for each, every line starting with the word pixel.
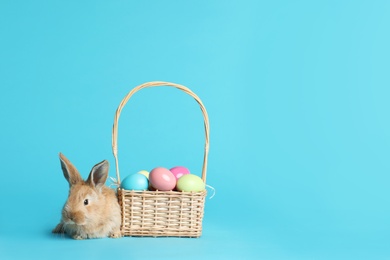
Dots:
pixel 92 209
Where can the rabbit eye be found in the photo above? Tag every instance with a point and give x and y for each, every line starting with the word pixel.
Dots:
pixel 86 202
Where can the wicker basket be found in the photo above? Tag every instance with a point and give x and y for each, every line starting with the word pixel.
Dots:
pixel 161 213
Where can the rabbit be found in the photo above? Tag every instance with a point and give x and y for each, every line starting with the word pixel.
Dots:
pixel 92 209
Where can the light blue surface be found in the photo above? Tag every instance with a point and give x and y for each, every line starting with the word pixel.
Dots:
pixel 298 97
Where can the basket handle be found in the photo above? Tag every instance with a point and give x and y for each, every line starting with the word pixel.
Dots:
pixel 160 84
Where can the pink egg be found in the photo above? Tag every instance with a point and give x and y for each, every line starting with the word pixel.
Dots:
pixel 162 179
pixel 179 171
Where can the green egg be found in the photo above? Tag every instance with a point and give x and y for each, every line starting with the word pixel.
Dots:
pixel 190 182
pixel 144 172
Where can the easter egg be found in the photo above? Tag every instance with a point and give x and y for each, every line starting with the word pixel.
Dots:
pixel 162 179
pixel 143 172
pixel 179 171
pixel 190 182
pixel 136 182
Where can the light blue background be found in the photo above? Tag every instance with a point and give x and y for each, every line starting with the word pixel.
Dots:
pixel 298 97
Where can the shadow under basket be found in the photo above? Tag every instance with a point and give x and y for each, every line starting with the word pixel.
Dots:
pixel 161 213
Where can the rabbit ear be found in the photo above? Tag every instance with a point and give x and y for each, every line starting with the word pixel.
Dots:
pixel 71 174
pixel 99 173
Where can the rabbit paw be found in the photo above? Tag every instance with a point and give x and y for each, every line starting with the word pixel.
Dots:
pixel 79 237
pixel 116 234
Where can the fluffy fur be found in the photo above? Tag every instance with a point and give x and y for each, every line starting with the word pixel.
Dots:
pixel 92 209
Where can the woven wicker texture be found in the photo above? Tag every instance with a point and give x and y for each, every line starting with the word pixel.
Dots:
pixel 158 213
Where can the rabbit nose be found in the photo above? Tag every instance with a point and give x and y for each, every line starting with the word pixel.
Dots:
pixel 76 217
pixel 68 215
pixel 72 216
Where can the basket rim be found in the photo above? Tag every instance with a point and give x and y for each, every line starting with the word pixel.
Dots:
pixel 160 192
